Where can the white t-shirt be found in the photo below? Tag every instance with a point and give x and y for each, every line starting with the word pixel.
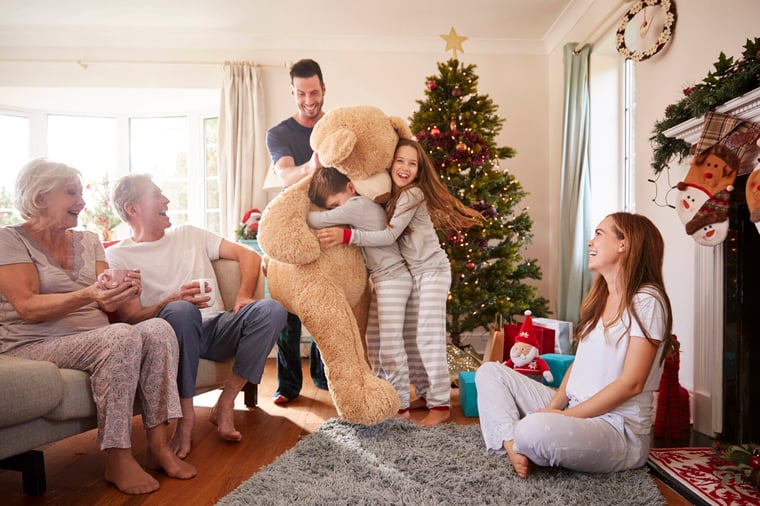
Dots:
pixel 600 358
pixel 183 254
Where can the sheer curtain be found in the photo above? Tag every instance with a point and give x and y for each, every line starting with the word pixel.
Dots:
pixel 243 155
pixel 574 222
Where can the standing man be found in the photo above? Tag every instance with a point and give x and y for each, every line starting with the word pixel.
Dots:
pixel 169 260
pixel 293 159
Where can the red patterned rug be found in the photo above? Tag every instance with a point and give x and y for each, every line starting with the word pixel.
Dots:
pixel 694 473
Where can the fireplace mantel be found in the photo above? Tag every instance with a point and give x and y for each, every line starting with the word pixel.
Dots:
pixel 708 294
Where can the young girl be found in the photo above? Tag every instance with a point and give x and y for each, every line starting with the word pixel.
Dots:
pixel 600 418
pixel 392 283
pixel 419 205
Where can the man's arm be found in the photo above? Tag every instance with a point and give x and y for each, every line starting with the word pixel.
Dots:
pixel 290 173
pixel 250 267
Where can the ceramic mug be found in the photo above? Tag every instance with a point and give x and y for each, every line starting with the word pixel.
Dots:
pixel 206 286
pixel 110 275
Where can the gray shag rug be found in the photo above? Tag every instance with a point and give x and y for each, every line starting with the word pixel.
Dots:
pixel 397 462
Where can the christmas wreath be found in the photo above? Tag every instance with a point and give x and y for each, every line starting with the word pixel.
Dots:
pixel 730 79
pixel 669 21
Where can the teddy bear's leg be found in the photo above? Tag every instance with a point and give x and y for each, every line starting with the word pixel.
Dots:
pixel 359 396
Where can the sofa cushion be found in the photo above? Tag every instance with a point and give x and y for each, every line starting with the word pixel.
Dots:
pixel 77 397
pixel 30 389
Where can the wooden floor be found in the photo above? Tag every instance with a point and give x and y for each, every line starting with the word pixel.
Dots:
pixel 75 467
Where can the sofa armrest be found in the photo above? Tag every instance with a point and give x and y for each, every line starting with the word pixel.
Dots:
pixel 228 276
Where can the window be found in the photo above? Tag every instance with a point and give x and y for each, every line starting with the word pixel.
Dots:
pixel 610 154
pixel 14 146
pixel 179 151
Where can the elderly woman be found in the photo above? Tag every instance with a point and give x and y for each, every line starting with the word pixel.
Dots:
pixel 52 308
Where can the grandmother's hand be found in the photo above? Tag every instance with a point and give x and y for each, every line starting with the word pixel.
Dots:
pixel 329 237
pixel 114 295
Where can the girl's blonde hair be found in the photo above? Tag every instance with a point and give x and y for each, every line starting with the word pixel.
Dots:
pixel 447 212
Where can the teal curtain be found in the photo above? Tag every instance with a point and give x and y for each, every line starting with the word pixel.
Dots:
pixel 574 226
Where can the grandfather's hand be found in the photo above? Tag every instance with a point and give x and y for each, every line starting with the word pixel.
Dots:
pixel 191 293
pixel 329 237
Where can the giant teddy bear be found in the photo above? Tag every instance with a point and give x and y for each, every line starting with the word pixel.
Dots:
pixel 329 289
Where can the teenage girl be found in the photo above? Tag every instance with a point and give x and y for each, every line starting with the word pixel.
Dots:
pixel 420 204
pixel 600 418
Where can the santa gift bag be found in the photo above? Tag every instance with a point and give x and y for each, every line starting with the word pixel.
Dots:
pixel 495 345
pixel 545 337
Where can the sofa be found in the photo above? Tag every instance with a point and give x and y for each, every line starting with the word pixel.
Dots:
pixel 40 403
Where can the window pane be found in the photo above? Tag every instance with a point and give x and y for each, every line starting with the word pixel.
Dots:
pixel 87 143
pixel 213 220
pixel 14 150
pixel 212 194
pixel 211 135
pixel 211 150
pixel 159 146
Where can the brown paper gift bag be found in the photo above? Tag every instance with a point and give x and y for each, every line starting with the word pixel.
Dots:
pixel 495 345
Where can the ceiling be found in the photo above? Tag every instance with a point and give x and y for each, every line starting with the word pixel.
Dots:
pixel 491 25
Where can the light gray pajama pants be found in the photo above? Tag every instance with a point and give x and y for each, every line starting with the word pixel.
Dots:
pixel 385 337
pixel 507 401
pixel 123 361
pixel 426 319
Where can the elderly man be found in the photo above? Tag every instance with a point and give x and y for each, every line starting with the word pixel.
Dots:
pixel 170 259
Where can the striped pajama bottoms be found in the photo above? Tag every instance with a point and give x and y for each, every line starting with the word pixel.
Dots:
pixel 385 337
pixel 426 319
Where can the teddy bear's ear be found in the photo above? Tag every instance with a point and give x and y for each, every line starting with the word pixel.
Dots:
pixel 401 128
pixel 336 147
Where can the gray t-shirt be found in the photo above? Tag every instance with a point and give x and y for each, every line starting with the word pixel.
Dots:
pixel 289 138
pixel 19 248
pixel 383 262
pixel 419 245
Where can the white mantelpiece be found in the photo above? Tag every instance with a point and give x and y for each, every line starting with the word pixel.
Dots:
pixel 708 293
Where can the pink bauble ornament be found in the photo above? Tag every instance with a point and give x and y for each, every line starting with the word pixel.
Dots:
pixel 431 85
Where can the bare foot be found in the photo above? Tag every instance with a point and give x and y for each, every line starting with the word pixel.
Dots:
pixel 418 403
pixel 222 418
pixel 281 399
pixel 174 467
pixel 182 439
pixel 403 414
pixel 123 471
pixel 435 416
pixel 523 466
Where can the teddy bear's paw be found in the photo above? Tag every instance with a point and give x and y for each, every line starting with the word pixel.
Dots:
pixel 367 400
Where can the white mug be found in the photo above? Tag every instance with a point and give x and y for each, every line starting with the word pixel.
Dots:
pixel 206 286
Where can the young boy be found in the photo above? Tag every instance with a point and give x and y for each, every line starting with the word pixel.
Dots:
pixel 392 283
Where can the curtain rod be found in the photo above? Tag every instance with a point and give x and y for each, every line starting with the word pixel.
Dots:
pixel 84 63
pixel 601 29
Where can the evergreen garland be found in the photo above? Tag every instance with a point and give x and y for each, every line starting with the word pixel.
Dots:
pixel 730 79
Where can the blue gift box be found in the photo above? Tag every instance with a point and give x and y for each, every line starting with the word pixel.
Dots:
pixel 558 364
pixel 468 395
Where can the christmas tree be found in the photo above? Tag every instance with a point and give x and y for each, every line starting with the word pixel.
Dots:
pixel 458 127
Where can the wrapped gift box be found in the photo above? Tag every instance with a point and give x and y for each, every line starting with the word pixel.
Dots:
pixel 468 395
pixel 559 364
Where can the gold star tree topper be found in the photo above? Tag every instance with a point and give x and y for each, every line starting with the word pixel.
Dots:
pixel 453 41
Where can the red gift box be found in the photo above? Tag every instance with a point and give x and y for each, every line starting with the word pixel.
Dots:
pixel 545 337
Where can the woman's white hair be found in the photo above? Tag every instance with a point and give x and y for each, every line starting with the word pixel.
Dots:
pixel 37 177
